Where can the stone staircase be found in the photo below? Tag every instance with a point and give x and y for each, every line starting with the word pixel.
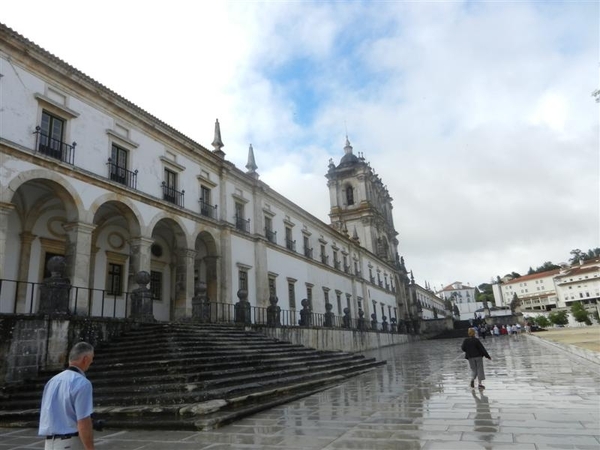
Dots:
pixel 184 376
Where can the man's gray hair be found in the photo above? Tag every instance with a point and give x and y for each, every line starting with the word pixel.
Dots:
pixel 79 350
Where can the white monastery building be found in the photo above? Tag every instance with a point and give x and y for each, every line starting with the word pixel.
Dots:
pixel 557 288
pixel 88 175
pixel 463 297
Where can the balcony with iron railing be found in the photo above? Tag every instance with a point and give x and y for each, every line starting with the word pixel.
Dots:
pixel 54 148
pixel 242 224
pixel 336 264
pixel 208 210
pixel 271 236
pixel 347 268
pixel 290 245
pixel 172 195
pixel 121 175
pixel 308 252
pixel 324 258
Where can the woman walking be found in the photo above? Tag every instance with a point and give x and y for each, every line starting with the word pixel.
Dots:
pixel 474 353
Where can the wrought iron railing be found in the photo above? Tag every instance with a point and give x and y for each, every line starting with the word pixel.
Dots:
pixel 121 175
pixel 54 148
pixel 172 195
pixel 24 297
pixel 242 224
pixel 290 244
pixel 308 252
pixel 271 235
pixel 208 210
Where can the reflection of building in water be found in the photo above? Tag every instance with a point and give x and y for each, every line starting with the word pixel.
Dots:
pixel 484 423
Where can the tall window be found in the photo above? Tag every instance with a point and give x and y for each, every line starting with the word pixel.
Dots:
pixel 170 186
pixel 338 298
pixel 156 284
pixel 349 195
pixel 326 295
pixel 272 286
pixel 307 249
pixel 292 294
pixel 240 222
pixel 118 165
pixel 269 233
pixel 114 285
pixel 51 135
pixel 289 242
pixel 243 279
pixel 309 296
pixel 323 255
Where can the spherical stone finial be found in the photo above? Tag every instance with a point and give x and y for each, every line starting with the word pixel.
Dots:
pixel 273 300
pixel 328 307
pixel 200 288
pixel 346 310
pixel 57 265
pixel 142 278
pixel 242 294
pixel 304 303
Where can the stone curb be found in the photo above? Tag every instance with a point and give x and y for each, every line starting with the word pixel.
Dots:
pixel 586 354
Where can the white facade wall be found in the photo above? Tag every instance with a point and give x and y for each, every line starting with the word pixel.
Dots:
pixel 78 210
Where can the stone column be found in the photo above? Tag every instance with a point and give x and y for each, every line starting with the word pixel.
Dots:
pixel 5 210
pixel 140 259
pixel 184 279
pixel 225 276
pixel 78 251
pixel 27 239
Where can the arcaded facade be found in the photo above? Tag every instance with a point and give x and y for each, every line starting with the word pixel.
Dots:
pixel 88 175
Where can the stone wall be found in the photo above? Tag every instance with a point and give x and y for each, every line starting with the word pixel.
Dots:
pixel 436 326
pixel 29 344
pixel 335 339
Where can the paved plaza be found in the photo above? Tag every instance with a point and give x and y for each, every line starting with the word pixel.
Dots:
pixel 538 397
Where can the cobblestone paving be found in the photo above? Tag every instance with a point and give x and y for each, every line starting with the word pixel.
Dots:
pixel 537 398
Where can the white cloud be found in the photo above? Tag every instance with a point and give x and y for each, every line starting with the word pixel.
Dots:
pixel 477 115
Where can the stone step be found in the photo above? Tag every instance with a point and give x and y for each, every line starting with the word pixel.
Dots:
pixel 178 376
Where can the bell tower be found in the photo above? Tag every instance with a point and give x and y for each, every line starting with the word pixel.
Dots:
pixel 361 205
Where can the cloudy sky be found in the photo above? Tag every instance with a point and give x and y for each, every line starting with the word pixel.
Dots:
pixel 477 115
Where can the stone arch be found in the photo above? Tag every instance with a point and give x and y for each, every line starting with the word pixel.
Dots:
pixel 123 206
pixel 206 266
pixel 173 261
pixel 40 179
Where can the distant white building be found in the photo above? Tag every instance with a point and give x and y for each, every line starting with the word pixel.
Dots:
pixel 463 297
pixel 536 291
pixel 552 289
pixel 579 283
pixel 430 306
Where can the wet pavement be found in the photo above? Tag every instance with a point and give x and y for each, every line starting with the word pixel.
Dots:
pixel 537 397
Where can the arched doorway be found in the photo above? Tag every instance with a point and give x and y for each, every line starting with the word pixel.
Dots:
pixel 111 265
pixel 205 264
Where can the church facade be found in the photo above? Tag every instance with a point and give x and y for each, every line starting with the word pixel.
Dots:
pixel 87 175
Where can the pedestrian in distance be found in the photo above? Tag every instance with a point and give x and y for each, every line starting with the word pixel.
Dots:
pixel 67 404
pixel 474 353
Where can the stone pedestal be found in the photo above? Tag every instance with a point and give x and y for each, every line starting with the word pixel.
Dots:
pixel 305 314
pixel 141 298
pixel 242 308
pixel 328 315
pixel 374 322
pixel 346 320
pixel 273 312
pixel 361 322
pixel 394 326
pixel 54 291
pixel 200 304
pixel 384 324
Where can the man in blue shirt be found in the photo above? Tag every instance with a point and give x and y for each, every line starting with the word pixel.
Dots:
pixel 67 404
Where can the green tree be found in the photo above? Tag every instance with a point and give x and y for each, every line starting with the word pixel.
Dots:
pixel 515 302
pixel 580 314
pixel 542 321
pixel 559 317
pixel 547 266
